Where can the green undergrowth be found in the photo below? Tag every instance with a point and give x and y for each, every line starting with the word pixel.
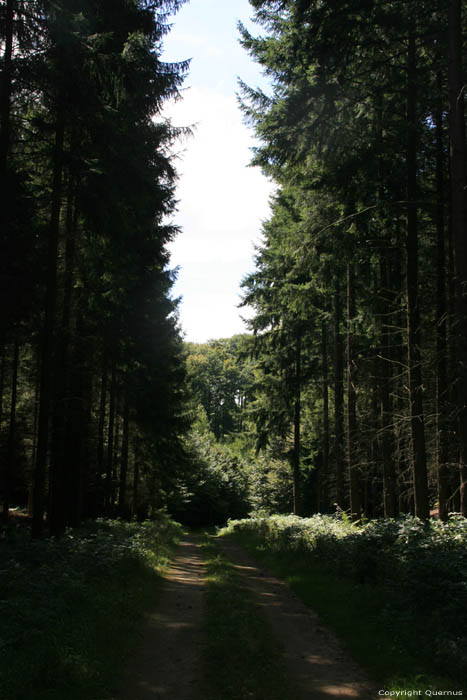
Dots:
pixel 378 587
pixel 242 657
pixel 70 607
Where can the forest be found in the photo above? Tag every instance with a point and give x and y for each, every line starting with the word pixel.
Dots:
pixel 91 371
pixel 344 403
pixel 353 370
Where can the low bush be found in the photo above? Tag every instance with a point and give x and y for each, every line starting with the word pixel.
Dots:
pixel 70 606
pixel 420 570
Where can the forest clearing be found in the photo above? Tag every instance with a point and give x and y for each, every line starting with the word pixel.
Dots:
pixel 280 512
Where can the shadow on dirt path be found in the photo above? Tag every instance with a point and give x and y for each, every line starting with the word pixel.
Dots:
pixel 317 661
pixel 167 661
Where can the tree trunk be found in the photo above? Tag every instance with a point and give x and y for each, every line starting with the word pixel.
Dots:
pixel 3 463
pixel 48 334
pixel 88 492
pixel 37 388
pixel 354 485
pixel 110 443
pixel 5 107
pixel 2 379
pixel 76 425
pixel 419 469
pixel 452 424
pixel 441 311
pixel 389 471
pixel 116 459
pixel 122 505
pixel 59 510
pixel 12 448
pixel 325 465
pixel 135 496
pixel 458 155
pixel 297 419
pixel 399 387
pixel 338 397
pixel 369 502
pixel 383 368
pixel 100 435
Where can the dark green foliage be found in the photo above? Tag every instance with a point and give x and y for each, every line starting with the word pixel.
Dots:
pixel 415 573
pixel 225 475
pixel 90 190
pixel 353 130
pixel 215 486
pixel 71 607
pixel 220 378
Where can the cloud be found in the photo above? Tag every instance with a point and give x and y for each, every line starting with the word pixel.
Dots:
pixel 222 200
pixel 204 47
pixel 222 203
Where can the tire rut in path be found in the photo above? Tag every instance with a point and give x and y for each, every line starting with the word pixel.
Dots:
pixel 317 661
pixel 167 661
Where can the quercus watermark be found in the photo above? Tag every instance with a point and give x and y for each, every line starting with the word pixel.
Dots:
pixel 419 693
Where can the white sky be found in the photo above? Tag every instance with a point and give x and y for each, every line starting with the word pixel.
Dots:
pixel 222 201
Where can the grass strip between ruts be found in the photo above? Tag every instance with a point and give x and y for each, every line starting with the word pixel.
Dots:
pixel 354 612
pixel 242 659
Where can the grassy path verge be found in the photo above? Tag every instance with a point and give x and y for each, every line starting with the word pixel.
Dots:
pixel 71 608
pixel 357 613
pixel 242 658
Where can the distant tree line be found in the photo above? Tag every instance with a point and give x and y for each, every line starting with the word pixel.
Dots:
pixel 360 287
pixel 91 371
pixel 220 377
pixel 226 476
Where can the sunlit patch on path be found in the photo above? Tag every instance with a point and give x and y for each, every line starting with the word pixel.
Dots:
pixel 167 660
pixel 317 662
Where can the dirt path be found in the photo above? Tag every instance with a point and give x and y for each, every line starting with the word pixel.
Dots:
pixel 316 660
pixel 167 662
